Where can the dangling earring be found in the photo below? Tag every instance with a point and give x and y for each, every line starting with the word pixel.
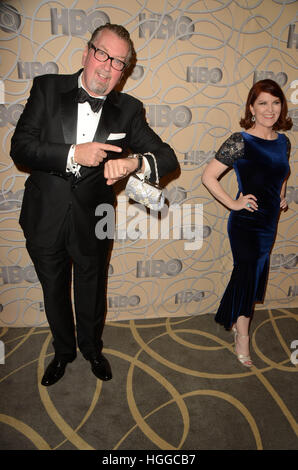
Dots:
pixel 253 119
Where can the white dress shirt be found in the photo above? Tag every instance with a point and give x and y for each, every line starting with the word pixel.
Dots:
pixel 86 128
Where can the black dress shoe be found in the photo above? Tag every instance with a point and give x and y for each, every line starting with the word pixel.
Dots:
pixel 54 372
pixel 100 367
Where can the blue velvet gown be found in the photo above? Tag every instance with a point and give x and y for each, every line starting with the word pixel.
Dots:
pixel 261 167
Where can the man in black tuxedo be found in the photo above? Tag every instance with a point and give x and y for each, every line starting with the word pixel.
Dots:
pixel 75 150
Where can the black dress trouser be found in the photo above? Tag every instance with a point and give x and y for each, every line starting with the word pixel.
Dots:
pixel 54 270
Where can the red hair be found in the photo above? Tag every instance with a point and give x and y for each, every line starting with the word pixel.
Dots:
pixel 268 86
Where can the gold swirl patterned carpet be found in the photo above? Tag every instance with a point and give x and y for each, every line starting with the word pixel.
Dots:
pixel 176 385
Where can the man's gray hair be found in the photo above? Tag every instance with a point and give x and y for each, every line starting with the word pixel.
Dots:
pixel 120 31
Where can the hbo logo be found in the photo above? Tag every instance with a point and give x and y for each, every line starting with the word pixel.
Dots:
pixel 32 69
pixel 292 194
pixel 182 28
pixel 203 75
pixel 76 22
pixel 10 19
pixel 124 301
pixel 156 268
pixel 10 115
pixel 279 260
pixel 280 77
pixel 187 296
pixel 163 115
pixel 16 274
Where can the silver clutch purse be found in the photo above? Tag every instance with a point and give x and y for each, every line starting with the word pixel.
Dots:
pixel 144 192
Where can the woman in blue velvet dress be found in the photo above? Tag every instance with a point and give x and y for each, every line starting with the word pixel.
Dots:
pixel 259 156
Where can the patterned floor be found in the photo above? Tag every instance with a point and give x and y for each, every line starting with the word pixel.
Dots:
pixel 176 385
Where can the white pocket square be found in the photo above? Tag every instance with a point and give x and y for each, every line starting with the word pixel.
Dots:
pixel 116 136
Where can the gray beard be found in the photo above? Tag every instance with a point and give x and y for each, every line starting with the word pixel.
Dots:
pixel 98 89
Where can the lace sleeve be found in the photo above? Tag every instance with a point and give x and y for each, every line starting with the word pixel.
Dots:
pixel 288 147
pixel 231 149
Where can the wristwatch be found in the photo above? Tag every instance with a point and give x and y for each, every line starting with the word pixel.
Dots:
pixel 139 156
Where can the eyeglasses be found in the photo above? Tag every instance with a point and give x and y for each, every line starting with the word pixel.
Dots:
pixel 102 56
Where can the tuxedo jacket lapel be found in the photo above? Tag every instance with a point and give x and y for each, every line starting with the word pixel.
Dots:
pixel 69 112
pixel 69 107
pixel 69 115
pixel 107 119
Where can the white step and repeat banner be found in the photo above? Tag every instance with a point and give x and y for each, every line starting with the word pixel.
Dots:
pixel 196 62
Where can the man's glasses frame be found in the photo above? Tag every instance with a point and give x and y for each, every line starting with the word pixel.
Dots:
pixel 103 56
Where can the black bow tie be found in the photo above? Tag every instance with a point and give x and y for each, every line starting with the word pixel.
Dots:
pixel 95 103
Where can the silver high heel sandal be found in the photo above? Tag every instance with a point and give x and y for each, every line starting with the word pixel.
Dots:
pixel 245 360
